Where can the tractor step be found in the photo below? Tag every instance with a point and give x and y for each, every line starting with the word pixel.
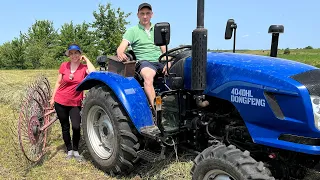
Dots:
pixel 152 132
pixel 149 156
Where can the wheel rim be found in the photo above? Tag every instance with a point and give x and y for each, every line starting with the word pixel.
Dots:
pixel 100 132
pixel 218 174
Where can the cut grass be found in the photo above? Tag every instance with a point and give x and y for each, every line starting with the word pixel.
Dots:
pixel 54 166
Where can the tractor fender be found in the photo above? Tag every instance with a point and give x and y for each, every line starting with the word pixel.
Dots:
pixel 129 93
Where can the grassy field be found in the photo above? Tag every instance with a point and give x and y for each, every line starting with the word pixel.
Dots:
pixel 307 56
pixel 54 166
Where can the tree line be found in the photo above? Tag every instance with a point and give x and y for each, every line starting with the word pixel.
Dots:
pixel 43 46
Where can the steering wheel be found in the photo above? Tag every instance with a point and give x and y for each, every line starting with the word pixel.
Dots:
pixel 171 54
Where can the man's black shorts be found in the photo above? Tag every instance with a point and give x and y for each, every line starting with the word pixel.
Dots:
pixel 156 66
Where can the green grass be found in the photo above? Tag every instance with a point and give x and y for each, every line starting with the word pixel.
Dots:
pixel 307 56
pixel 13 166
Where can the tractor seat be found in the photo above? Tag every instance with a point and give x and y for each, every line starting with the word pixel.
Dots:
pixel 177 69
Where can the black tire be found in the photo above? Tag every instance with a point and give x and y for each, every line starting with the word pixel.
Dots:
pixel 229 161
pixel 113 132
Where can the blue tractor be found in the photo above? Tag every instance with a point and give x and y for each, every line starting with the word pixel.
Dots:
pixel 244 116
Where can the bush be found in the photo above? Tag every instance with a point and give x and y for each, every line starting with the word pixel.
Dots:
pixel 286 51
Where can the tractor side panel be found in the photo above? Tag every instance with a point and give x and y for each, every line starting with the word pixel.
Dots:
pixel 129 93
pixel 271 103
pixel 268 114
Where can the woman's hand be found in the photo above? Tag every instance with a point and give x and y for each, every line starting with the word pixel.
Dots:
pixel 83 58
pixel 90 66
pixel 51 103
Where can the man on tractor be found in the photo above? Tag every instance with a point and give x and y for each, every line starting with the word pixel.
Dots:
pixel 141 38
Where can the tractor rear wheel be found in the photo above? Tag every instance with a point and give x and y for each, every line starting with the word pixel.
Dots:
pixel 108 132
pixel 228 163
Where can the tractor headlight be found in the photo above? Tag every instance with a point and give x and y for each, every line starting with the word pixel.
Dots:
pixel 315 101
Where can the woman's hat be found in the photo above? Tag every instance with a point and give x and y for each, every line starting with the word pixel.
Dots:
pixel 73 47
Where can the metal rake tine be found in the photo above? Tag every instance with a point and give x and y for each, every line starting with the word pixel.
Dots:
pixel 12 125
pixel 15 145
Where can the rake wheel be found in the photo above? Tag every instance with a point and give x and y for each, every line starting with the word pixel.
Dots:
pixel 32 117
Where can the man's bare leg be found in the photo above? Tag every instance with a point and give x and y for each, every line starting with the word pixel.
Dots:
pixel 148 75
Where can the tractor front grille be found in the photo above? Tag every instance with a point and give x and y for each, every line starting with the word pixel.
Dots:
pixel 311 80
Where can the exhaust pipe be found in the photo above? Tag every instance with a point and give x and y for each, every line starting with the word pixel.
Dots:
pixel 199 52
pixel 199 57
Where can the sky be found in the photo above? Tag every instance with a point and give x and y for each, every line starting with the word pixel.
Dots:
pixel 253 18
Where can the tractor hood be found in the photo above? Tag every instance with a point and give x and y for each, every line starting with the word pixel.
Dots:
pixel 264 71
pixel 276 67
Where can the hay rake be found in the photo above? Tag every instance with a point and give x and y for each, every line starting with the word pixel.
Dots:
pixel 35 118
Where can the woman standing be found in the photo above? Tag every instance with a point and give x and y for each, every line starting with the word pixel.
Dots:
pixel 67 101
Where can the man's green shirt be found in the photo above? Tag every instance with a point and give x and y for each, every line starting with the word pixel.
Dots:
pixel 142 43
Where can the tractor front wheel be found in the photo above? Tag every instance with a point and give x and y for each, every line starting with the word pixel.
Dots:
pixel 228 163
pixel 108 132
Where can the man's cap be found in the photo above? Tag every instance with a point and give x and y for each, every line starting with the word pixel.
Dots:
pixel 143 5
pixel 73 47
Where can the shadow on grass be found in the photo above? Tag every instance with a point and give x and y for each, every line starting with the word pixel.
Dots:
pixel 51 154
pixel 155 170
pixel 147 170
pixel 142 169
pixel 46 157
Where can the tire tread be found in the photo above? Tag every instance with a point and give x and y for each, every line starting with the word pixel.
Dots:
pixel 128 141
pixel 242 162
